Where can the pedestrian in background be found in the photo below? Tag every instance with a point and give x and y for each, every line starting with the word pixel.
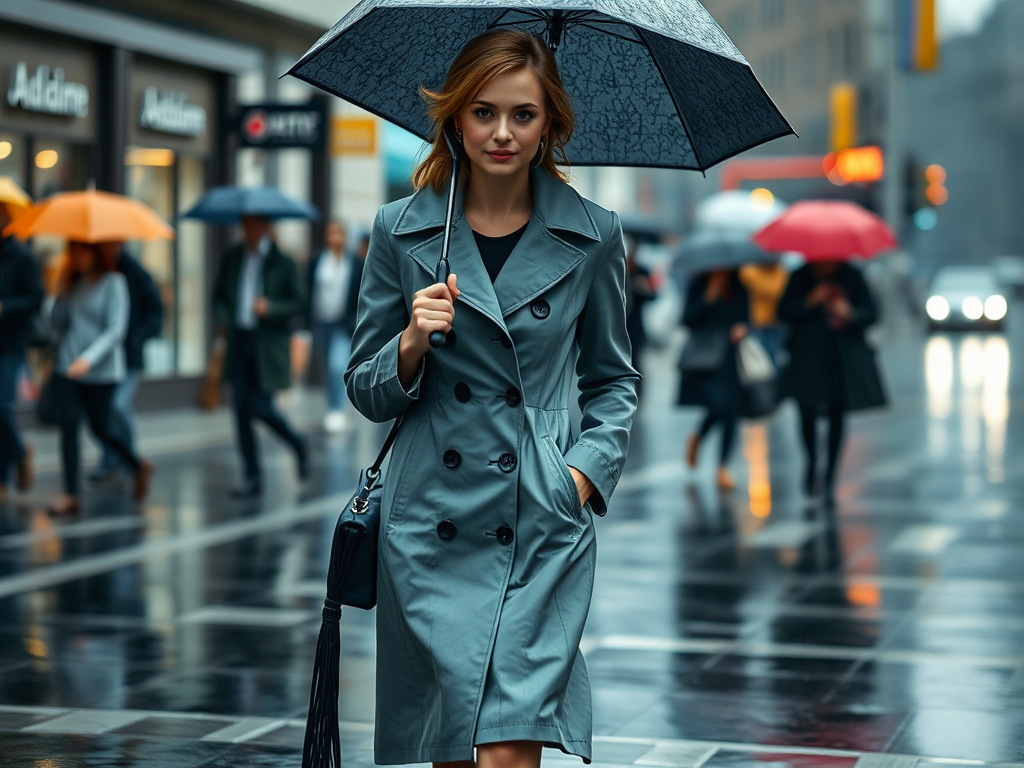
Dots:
pixel 766 282
pixel 145 321
pixel 717 312
pixel 90 315
pixel 333 281
pixel 832 369
pixel 21 295
pixel 488 545
pixel 256 296
pixel 639 291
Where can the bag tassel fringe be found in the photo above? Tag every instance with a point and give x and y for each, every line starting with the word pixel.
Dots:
pixel 321 747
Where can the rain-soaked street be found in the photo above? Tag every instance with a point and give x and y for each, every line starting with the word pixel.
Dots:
pixel 754 629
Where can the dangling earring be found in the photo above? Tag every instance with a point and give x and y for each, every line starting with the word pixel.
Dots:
pixel 540 153
pixel 458 135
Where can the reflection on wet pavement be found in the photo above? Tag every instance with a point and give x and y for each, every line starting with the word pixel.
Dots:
pixel 756 629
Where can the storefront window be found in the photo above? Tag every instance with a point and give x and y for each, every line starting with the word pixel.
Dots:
pixel 192 294
pixel 13 157
pixel 58 166
pixel 149 178
pixel 170 183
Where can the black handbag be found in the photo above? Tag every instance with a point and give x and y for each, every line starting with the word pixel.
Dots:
pixel 704 350
pixel 352 581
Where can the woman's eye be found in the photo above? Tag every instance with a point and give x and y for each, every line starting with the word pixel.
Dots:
pixel 482 113
pixel 524 116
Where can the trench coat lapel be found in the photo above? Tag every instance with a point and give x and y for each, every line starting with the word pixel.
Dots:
pixel 542 256
pixel 540 259
pixel 425 214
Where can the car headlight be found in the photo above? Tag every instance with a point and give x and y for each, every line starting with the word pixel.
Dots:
pixel 972 308
pixel 937 308
pixel 995 307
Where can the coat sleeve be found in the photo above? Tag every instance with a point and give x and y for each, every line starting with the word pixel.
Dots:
pixel 151 315
pixel 115 319
pixel 793 304
pixel 221 309
pixel 698 310
pixel 290 300
pixel 372 375
pixel 30 293
pixel 863 308
pixel 607 380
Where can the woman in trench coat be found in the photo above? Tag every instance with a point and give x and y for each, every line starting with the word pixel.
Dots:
pixel 832 369
pixel 487 544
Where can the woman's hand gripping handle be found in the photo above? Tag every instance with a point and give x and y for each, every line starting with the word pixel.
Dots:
pixel 433 310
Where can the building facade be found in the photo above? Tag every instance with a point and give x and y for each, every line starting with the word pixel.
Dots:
pixel 141 99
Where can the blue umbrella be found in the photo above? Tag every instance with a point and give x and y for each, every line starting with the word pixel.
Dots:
pixel 226 205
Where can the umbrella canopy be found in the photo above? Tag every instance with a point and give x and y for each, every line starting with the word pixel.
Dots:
pixel 706 251
pixel 827 230
pixel 644 228
pixel 654 82
pixel 15 197
pixel 227 205
pixel 736 212
pixel 91 217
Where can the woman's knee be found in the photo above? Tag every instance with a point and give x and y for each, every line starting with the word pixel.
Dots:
pixel 509 754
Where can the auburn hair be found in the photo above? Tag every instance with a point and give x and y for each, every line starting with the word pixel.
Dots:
pixel 482 59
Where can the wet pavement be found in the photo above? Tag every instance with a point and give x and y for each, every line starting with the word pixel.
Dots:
pixel 753 629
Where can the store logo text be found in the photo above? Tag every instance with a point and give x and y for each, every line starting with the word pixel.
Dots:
pixel 45 93
pixel 168 112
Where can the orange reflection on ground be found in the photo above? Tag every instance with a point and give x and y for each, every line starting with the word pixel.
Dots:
pixel 865 594
pixel 759 487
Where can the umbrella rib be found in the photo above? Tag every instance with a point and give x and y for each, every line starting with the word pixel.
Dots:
pixel 671 95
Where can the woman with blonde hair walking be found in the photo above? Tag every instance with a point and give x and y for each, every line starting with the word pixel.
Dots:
pixel 487 547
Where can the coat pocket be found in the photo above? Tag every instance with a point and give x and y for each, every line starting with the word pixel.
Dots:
pixel 394 504
pixel 557 462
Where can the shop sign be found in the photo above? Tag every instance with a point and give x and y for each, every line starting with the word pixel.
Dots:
pixel 47 91
pixel 353 136
pixel 282 125
pixel 170 112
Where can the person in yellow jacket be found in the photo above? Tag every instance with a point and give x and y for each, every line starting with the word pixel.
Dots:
pixel 765 283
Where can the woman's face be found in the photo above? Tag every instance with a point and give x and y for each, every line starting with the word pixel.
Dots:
pixel 503 126
pixel 83 257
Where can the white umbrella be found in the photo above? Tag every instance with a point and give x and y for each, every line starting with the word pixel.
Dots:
pixel 737 212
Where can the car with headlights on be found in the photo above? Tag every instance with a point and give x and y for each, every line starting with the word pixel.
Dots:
pixel 966 297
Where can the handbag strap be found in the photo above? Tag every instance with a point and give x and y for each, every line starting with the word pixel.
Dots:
pixel 374 471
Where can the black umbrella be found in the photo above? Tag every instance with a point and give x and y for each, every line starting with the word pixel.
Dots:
pixel 655 83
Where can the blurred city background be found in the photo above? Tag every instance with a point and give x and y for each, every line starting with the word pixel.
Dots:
pixel 747 628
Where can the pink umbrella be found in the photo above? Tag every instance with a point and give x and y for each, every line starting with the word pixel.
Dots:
pixel 827 230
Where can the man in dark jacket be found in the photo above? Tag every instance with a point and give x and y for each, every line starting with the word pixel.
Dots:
pixel 145 321
pixel 21 295
pixel 256 296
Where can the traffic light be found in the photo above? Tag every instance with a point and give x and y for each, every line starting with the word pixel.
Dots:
pixel 843 116
pixel 914 187
pixel 936 193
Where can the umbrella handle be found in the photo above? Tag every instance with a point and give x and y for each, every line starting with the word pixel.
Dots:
pixel 437 338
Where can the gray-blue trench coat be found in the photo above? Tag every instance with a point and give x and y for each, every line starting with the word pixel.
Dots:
pixel 486 558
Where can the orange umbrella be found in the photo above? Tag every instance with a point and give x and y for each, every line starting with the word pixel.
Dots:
pixel 14 196
pixel 90 217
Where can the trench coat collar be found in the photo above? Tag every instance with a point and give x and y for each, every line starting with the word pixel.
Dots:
pixel 540 259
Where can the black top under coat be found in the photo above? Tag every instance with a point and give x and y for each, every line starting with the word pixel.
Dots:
pixel 494 251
